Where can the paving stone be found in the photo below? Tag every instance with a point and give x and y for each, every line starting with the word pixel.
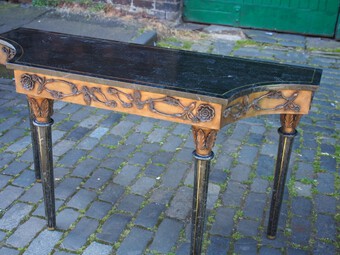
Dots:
pixel 20 145
pixel 218 245
pixel 302 206
pixel 2 235
pixel 88 143
pixel 183 249
pixel 116 222
pixel 130 203
pixel 328 163
pixel 157 135
pixel 25 179
pixel 78 236
pixel 67 187
pixel 135 242
pixel 122 128
pixel 181 204
pixel 14 215
pixel 150 148
pixel 254 205
pixel 269 251
pixel 166 236
pixel 62 147
pixel 245 246
pixel 82 199
pixel 86 167
pixel 126 175
pixel 293 251
pixel 259 185
pixel 174 174
pixel 98 210
pixel 72 157
pixel 91 121
pixel 26 232
pixel 305 170
pixel 9 195
pixel 135 139
pixel 144 127
pixel 40 211
pixel 247 155
pixel 172 143
pixel 60 173
pixel 78 133
pixel 8 251
pixel 301 230
pixel 326 227
pixel 15 168
pixel 224 223
pixel 4 179
pixel 218 176
pixel 143 185
pixel 100 152
pixel 161 196
pixel 265 166
pixel 111 119
pixel 98 179
pixel 234 193
pixel 98 249
pixel 154 170
pixel 162 158
pixel 11 135
pixel 240 173
pixel 99 132
pixel 149 215
pixel 139 158
pixel 66 218
pixel 248 227
pixel 43 243
pixel 325 183
pixel 322 248
pixel 303 189
pixel 112 193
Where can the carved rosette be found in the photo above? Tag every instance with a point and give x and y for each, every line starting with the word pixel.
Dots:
pixel 289 122
pixel 113 97
pixel 41 108
pixel 204 140
pixel 6 53
pixel 205 112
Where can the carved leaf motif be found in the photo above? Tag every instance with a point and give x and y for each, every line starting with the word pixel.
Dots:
pixel 45 108
pixel 171 101
pixel 210 140
pixel 200 139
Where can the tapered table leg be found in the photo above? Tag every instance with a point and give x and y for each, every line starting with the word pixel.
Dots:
pixel 35 147
pixel 287 133
pixel 42 109
pixel 204 141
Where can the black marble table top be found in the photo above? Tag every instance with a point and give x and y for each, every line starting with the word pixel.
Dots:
pixel 184 71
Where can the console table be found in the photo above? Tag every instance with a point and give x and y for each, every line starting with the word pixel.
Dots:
pixel 201 90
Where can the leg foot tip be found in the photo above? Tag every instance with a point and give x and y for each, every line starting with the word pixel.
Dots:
pixel 38 180
pixel 51 228
pixel 271 237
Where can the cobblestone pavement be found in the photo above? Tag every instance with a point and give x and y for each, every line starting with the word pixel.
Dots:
pixel 124 183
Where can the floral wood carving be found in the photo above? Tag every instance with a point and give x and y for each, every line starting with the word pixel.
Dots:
pixel 42 108
pixel 113 97
pixel 238 110
pixel 289 122
pixel 204 140
pixel 9 52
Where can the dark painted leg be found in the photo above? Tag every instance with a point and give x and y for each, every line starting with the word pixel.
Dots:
pixel 287 133
pixel 35 147
pixel 42 109
pixel 204 141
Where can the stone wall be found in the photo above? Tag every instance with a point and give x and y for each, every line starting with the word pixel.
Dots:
pixel 161 9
